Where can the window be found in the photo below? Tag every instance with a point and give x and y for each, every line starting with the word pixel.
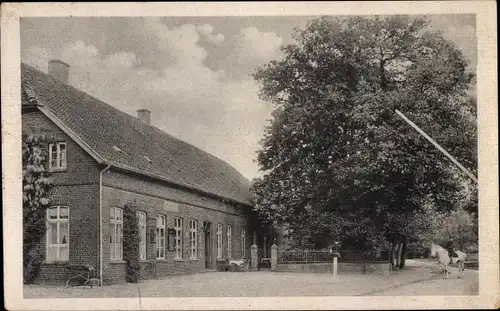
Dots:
pixel 219 241
pixel 160 237
pixel 142 234
pixel 243 243
pixel 193 235
pixel 229 246
pixel 58 233
pixel 116 233
pixel 178 237
pixel 57 156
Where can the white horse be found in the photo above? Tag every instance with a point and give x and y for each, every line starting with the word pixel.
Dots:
pixel 445 260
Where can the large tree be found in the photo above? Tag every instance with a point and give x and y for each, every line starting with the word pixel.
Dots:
pixel 338 162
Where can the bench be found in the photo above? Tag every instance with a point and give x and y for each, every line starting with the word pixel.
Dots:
pixel 150 268
pixel 82 275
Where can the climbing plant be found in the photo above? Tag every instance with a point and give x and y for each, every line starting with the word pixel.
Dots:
pixel 131 240
pixel 36 199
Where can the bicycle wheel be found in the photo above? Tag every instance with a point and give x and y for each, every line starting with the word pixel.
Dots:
pixel 75 281
pixel 243 267
pixel 234 267
pixel 92 282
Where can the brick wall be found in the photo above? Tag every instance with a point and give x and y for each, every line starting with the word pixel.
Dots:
pixel 77 188
pixel 82 168
pixel 154 199
pixel 53 274
pixel 83 202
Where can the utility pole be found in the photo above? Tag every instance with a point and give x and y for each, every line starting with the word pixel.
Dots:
pixel 449 156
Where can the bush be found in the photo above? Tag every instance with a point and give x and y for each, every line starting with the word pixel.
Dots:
pixel 131 240
pixel 32 262
pixel 133 272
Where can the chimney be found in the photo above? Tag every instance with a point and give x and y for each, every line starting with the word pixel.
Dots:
pixel 144 115
pixel 59 70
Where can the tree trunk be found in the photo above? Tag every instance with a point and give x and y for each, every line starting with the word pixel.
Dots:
pixel 403 255
pixel 391 255
pixel 398 257
pixel 461 243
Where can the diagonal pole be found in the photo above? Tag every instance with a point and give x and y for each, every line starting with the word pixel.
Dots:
pixel 466 171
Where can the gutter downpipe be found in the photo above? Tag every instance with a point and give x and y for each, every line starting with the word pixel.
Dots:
pixel 100 224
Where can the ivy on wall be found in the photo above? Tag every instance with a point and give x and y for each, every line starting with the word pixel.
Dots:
pixel 36 200
pixel 131 240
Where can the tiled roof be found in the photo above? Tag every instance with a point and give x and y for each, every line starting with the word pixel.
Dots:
pixel 124 140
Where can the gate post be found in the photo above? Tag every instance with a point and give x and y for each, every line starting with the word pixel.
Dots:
pixel 254 257
pixel 274 257
pixel 335 264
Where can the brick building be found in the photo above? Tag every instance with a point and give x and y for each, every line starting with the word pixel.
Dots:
pixel 193 208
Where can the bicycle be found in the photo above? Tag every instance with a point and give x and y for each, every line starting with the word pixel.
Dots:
pixel 83 277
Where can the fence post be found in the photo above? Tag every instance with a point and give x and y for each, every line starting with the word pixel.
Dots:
pixel 254 257
pixel 274 257
pixel 335 264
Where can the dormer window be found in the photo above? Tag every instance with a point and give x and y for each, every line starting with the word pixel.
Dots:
pixel 57 156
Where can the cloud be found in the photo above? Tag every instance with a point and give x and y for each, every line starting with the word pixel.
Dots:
pixel 121 60
pixel 252 44
pixel 461 31
pixel 251 49
pixel 216 39
pixel 37 56
pixel 206 31
pixel 464 37
pixel 80 49
pixel 180 43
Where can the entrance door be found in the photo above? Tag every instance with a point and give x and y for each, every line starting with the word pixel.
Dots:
pixel 208 244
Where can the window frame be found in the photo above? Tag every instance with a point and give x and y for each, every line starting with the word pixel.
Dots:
pixel 142 234
pixel 58 222
pixel 243 242
pixel 117 234
pixel 178 223
pixel 159 237
pixel 220 229
pixel 193 239
pixel 59 165
pixel 229 234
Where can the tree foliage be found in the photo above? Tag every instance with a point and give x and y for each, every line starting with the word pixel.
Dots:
pixel 36 199
pixel 338 161
pixel 131 240
pixel 462 226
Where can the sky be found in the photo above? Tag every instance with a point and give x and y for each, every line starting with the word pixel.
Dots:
pixel 192 73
